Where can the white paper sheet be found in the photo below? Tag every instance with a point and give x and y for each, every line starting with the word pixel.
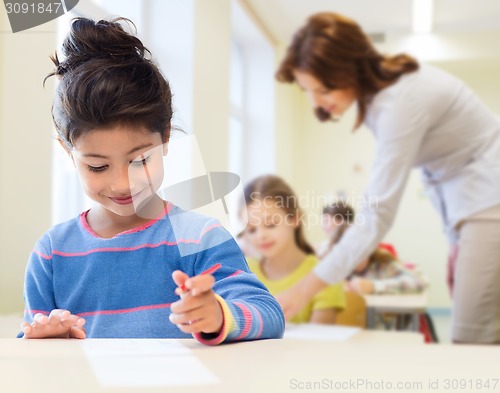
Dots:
pixel 311 331
pixel 136 362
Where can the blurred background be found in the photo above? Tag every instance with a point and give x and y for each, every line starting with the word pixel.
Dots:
pixel 220 57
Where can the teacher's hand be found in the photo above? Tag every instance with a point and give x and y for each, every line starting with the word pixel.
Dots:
pixel 293 300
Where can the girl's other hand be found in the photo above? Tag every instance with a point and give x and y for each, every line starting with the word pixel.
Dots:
pixel 59 324
pixel 198 310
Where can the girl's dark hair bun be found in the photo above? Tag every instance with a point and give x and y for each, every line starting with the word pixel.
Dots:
pixel 106 80
pixel 88 39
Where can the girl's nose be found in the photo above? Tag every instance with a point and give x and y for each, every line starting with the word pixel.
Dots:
pixel 260 233
pixel 120 181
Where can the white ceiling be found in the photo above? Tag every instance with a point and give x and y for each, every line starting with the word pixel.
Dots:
pixel 283 17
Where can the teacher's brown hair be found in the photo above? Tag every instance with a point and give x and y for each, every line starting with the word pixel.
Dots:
pixel 335 50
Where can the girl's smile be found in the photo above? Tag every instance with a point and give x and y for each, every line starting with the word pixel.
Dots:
pixel 125 200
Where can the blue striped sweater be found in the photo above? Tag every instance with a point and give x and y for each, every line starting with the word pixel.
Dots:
pixel 123 288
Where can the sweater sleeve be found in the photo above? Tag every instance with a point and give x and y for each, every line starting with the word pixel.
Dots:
pixel 250 311
pixel 38 284
pixel 399 124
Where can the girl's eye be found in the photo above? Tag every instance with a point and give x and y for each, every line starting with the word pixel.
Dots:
pixel 142 162
pixel 251 230
pixel 97 168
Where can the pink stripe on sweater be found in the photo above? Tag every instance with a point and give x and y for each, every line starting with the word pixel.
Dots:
pixel 119 249
pixel 209 228
pixel 42 255
pixel 124 311
pixel 236 273
pixel 247 314
pixel 259 333
pixel 85 224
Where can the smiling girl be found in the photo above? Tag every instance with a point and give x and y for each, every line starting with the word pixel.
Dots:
pixel 275 230
pixel 119 267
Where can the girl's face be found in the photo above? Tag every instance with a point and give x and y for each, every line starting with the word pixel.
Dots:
pixel 333 101
pixel 270 229
pixel 330 224
pixel 119 167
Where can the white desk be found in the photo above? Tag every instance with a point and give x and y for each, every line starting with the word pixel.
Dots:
pixel 274 366
pixel 413 304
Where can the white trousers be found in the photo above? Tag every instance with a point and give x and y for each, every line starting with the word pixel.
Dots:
pixel 476 292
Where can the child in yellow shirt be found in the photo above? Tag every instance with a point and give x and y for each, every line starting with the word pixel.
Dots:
pixel 275 231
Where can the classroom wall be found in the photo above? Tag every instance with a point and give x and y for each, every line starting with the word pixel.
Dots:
pixel 25 152
pixel 211 68
pixel 288 118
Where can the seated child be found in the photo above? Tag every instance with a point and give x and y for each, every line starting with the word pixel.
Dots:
pixel 335 219
pixel 132 265
pixel 381 273
pixel 275 231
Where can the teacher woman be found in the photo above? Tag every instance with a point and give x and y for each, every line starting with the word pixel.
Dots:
pixel 420 117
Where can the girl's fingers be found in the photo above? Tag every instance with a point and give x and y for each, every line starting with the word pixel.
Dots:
pixel 77 332
pixel 40 319
pixel 193 326
pixel 199 284
pixel 55 317
pixel 72 320
pixel 187 317
pixel 179 278
pixel 189 302
pixel 56 324
pixel 26 328
pixel 195 314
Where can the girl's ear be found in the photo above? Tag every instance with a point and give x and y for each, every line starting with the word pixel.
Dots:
pixel 64 145
pixel 165 149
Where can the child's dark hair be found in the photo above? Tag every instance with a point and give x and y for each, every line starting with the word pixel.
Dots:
pixel 342 212
pixel 107 78
pixel 275 188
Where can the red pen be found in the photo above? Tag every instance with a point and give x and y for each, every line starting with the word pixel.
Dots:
pixel 210 270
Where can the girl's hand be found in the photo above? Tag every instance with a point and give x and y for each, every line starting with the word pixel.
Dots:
pixel 361 285
pixel 59 324
pixel 198 311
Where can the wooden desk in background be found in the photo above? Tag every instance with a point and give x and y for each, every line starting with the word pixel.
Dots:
pixel 410 304
pixel 369 361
